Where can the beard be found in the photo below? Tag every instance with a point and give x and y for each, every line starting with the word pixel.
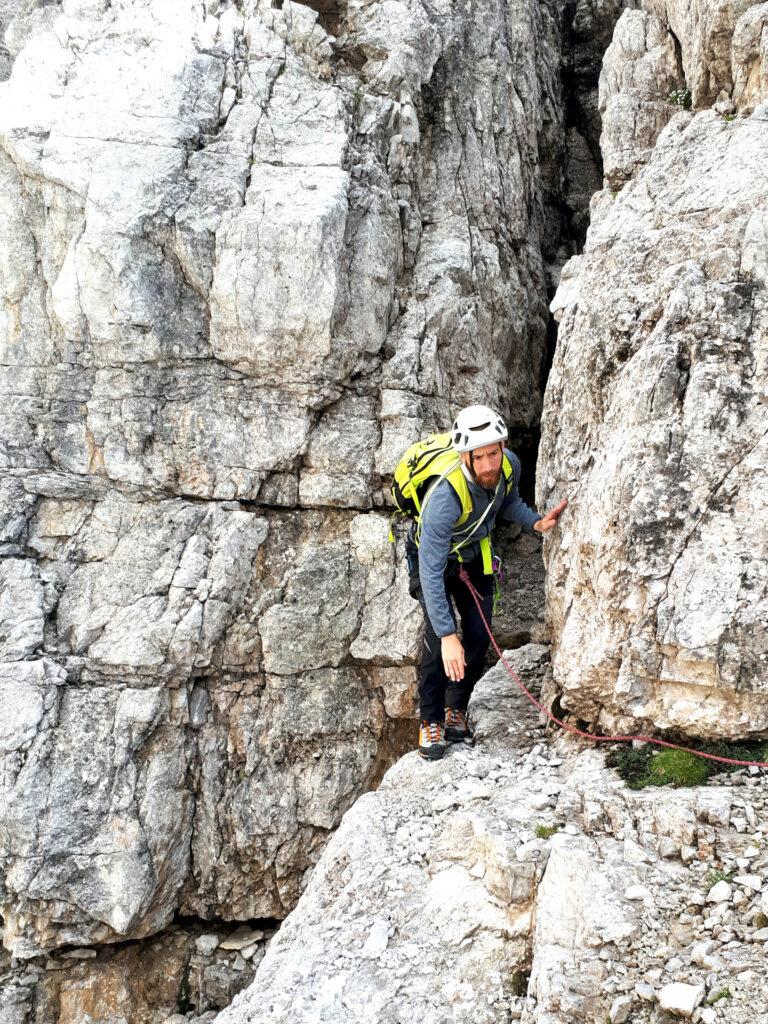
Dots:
pixel 488 480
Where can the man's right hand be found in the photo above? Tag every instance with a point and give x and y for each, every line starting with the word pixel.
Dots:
pixel 453 657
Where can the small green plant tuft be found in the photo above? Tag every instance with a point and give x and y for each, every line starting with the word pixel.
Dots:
pixel 718 875
pixel 729 117
pixel 545 831
pixel 723 993
pixel 680 97
pixel 678 768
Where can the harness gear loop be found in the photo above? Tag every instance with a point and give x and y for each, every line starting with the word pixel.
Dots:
pixel 464 575
pixel 498 579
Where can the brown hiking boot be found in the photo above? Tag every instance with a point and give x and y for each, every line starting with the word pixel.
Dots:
pixel 456 728
pixel 432 740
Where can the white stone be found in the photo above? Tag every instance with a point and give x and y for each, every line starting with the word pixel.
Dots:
pixel 637 892
pixel 241 937
pixel 377 940
pixel 753 882
pixel 680 998
pixel 205 944
pixel 720 892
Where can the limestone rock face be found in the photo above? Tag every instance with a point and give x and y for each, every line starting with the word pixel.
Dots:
pixel 667 56
pixel 521 880
pixel 200 728
pixel 705 31
pixel 656 429
pixel 258 231
pixel 588 29
pixel 641 69
pixel 749 58
pixel 248 254
pixel 8 8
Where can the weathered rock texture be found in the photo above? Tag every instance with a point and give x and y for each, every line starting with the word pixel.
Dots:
pixel 656 425
pixel 588 29
pixel 641 70
pixel 243 263
pixel 711 35
pixel 201 726
pixel 8 8
pixel 521 880
pixel 182 973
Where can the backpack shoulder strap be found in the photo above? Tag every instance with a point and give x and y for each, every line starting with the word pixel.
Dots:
pixel 456 479
pixel 458 482
pixel 509 469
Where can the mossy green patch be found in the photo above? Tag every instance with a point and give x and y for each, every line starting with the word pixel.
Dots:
pixel 678 768
pixel 646 766
pixel 632 765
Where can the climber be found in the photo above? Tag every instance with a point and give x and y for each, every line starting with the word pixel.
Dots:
pixel 485 488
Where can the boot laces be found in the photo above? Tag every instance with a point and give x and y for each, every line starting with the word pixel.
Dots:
pixel 433 732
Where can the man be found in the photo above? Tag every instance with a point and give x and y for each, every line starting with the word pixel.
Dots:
pixel 450 666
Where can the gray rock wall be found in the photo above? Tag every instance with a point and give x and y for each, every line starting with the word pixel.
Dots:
pixel 8 8
pixel 588 29
pixel 243 264
pixel 655 422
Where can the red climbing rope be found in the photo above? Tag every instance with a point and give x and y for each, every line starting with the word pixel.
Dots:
pixel 464 575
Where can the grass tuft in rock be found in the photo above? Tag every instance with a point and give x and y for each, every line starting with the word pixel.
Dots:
pixel 678 768
pixel 680 97
pixel 723 993
pixel 718 875
pixel 545 831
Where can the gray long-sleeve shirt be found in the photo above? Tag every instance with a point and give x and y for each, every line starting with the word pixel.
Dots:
pixel 438 535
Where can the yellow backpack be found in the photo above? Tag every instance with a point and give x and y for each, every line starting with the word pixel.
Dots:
pixel 421 468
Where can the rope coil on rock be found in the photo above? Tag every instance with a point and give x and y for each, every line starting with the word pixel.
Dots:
pixel 464 575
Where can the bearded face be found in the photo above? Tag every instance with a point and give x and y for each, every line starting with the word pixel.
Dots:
pixel 485 464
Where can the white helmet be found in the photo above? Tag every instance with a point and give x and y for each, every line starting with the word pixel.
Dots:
pixel 476 426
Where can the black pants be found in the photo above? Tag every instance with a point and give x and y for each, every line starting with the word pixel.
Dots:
pixel 436 691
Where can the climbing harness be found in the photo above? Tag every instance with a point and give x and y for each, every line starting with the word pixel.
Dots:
pixel 464 575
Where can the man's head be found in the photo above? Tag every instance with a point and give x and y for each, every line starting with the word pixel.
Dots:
pixel 477 435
